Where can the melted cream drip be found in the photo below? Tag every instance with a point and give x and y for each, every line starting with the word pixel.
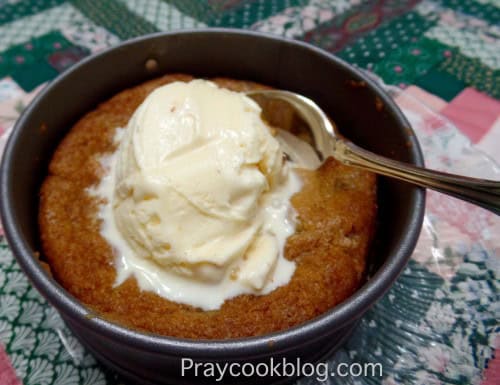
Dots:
pixel 223 250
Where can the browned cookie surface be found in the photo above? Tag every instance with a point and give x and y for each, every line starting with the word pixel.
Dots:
pixel 336 209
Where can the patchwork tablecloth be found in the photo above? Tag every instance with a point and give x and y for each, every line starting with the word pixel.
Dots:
pixel 439 59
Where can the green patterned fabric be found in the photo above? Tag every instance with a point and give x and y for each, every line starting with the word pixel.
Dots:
pixel 231 13
pixel 408 62
pixel 380 44
pixel 41 348
pixel 474 73
pixel 438 323
pixel 440 83
pixel 16 10
pixel 357 21
pixel 35 62
pixel 115 17
pixel 376 35
pixel 485 10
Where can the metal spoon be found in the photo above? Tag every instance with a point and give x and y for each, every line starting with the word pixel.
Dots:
pixel 484 193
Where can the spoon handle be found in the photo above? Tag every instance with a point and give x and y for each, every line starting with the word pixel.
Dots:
pixel 484 193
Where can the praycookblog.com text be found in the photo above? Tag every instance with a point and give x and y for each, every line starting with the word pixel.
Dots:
pixel 283 367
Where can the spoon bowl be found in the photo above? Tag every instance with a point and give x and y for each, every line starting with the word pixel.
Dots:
pixel 484 193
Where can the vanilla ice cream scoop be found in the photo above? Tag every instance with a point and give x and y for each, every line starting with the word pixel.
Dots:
pixel 199 197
